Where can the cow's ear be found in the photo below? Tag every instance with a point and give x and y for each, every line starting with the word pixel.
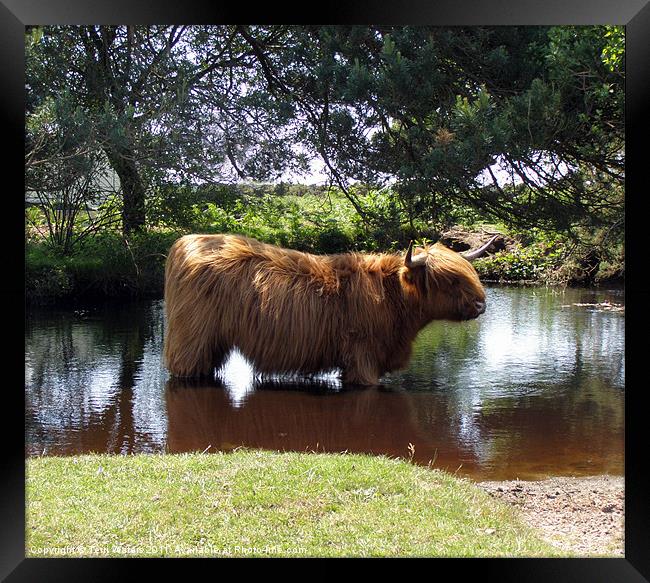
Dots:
pixel 416 278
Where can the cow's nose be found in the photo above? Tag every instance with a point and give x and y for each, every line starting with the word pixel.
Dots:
pixel 480 306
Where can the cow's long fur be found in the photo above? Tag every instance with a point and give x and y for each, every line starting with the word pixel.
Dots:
pixel 296 312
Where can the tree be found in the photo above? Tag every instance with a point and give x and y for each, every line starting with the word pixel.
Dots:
pixel 169 103
pixel 436 110
pixel 67 175
pixel 520 123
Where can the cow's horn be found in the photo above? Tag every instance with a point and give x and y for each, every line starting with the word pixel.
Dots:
pixel 471 255
pixel 418 261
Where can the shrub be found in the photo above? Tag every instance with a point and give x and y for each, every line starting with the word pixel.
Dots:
pixel 46 277
pixel 531 263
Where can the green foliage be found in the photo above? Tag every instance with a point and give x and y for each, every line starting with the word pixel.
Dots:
pixel 46 277
pixel 309 219
pixel 427 110
pixel 614 49
pixel 596 256
pixel 304 218
pixel 518 265
pixel 67 176
pixel 541 254
pixel 106 265
pixel 451 103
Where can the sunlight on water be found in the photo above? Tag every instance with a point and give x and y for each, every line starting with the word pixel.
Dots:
pixel 238 377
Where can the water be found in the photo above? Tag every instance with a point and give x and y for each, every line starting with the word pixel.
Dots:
pixel 534 387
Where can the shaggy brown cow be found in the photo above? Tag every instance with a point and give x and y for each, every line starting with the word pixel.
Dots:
pixel 293 312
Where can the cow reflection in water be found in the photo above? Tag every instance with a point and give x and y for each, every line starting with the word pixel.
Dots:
pixel 307 416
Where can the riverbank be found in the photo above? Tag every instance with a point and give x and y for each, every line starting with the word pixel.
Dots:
pixel 581 515
pixel 109 265
pixel 261 503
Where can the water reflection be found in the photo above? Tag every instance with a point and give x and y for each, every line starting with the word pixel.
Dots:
pixel 533 387
pixel 93 380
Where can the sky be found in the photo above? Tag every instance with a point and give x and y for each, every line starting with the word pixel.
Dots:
pixel 500 170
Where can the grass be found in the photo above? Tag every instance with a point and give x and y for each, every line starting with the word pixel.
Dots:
pixel 254 503
pixel 105 265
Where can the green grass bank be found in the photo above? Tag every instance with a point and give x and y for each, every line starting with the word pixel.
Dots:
pixel 251 503
pixel 108 264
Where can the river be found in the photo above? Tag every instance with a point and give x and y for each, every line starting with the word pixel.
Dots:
pixel 535 387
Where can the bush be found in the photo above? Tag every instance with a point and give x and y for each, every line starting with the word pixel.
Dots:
pixel 530 263
pixel 310 219
pixel 106 265
pixel 46 277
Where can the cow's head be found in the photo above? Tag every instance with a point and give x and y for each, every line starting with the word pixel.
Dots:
pixel 444 282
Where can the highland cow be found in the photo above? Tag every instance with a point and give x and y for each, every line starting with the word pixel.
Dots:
pixel 294 312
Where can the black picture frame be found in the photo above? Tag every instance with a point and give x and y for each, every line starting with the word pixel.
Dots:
pixel 634 14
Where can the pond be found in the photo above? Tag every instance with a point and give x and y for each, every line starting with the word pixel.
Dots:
pixel 532 388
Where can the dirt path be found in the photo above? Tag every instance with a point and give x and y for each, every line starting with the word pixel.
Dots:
pixel 580 515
